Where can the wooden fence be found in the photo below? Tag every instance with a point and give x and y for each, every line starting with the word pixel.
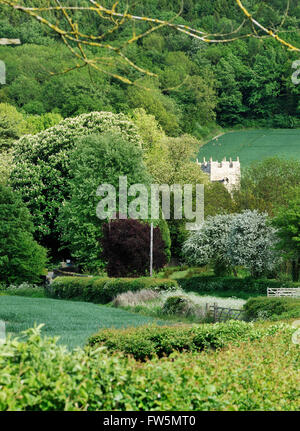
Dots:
pixel 223 313
pixel 58 273
pixel 284 291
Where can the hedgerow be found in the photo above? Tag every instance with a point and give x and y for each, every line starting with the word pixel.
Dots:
pixel 148 341
pixel 264 307
pixel 201 284
pixel 103 289
pixel 261 374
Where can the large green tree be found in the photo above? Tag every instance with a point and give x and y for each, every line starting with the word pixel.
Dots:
pixel 98 160
pixel 21 257
pixel 42 166
pixel 287 222
pixel 12 126
pixel 245 82
pixel 265 184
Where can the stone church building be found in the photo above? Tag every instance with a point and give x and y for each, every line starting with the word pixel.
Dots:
pixel 227 172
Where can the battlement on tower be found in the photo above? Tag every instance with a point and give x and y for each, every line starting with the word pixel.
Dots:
pixel 227 172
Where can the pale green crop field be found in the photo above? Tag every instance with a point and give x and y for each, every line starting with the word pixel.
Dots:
pixel 72 321
pixel 253 145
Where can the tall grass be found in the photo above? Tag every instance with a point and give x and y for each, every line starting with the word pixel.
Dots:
pixel 149 302
pixel 24 289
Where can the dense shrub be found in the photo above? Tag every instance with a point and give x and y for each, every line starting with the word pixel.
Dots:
pixel 263 307
pixel 6 166
pixel 148 341
pixel 53 378
pixel 38 123
pixel 203 284
pixel 178 305
pixel 103 290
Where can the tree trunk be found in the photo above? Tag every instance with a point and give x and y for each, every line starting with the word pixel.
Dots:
pixel 296 269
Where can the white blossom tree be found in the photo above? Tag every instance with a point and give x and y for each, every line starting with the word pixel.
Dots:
pixel 251 243
pixel 226 241
pixel 209 244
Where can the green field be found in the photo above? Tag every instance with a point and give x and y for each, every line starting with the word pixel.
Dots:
pixel 72 321
pixel 253 145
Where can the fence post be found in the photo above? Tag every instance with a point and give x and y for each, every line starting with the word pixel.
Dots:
pixel 2 332
pixel 215 311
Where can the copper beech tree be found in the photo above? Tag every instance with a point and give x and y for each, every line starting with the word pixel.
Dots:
pixel 126 245
pixel 112 58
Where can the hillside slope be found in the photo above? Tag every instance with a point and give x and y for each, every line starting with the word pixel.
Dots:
pixel 252 145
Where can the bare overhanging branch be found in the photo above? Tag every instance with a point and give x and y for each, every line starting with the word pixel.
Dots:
pixel 267 31
pixel 77 41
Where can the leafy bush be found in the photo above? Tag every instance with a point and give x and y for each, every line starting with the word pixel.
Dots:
pixel 178 305
pixel 53 378
pixel 38 123
pixel 272 307
pixel 148 341
pixel 103 290
pixel 6 166
pixel 203 284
